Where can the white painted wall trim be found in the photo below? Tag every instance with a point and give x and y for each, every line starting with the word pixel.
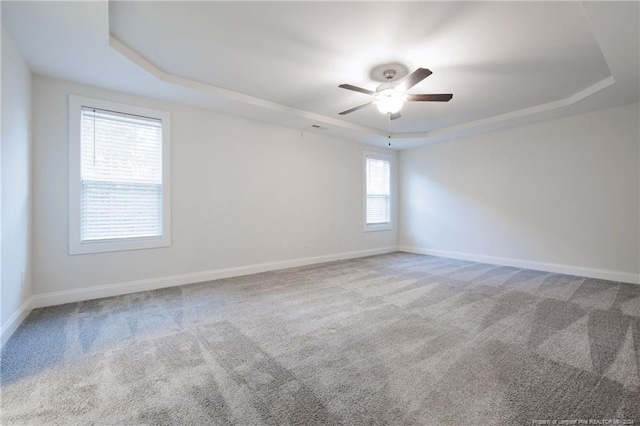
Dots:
pixel 70 296
pixel 16 319
pixel 581 271
pixel 89 293
pixel 97 292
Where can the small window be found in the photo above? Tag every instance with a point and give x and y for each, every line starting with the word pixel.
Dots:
pixel 119 177
pixel 377 210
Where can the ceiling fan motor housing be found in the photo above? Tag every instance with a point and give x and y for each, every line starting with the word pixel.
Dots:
pixel 385 86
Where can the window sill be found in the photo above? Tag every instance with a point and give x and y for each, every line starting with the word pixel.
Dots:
pixel 104 247
pixel 377 227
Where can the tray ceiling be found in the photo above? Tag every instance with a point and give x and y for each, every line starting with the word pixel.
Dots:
pixel 282 62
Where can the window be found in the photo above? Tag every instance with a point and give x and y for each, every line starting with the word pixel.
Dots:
pixel 377 210
pixel 119 177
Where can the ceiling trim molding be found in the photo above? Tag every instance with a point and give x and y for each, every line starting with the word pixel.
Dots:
pixel 170 78
pixel 230 95
pixel 606 82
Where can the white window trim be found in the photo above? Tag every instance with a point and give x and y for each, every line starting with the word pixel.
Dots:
pixel 378 226
pixel 76 246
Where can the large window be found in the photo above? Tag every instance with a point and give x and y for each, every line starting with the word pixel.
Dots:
pixel 119 177
pixel 377 211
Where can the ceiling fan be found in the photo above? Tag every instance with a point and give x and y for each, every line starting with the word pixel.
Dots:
pixel 391 96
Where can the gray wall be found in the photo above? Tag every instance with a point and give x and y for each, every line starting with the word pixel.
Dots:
pixel 239 189
pixel 15 182
pixel 561 192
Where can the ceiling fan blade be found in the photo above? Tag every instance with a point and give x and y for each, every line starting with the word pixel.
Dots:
pixel 357 89
pixel 395 116
pixel 443 97
pixel 356 108
pixel 414 78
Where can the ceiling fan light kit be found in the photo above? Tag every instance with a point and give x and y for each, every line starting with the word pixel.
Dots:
pixel 390 101
pixel 391 96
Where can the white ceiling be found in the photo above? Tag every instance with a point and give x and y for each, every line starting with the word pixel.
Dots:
pixel 506 63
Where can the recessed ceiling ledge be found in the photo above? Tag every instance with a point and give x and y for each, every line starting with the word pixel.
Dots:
pixel 147 65
pixel 606 82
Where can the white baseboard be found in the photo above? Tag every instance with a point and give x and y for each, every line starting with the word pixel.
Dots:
pixel 117 289
pixel 581 271
pixel 16 319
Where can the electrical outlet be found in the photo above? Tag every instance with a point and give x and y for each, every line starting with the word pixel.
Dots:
pixel 22 279
pixel 285 245
pixel 305 244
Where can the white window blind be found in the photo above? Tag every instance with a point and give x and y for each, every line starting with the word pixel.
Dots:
pixel 121 176
pixel 378 197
